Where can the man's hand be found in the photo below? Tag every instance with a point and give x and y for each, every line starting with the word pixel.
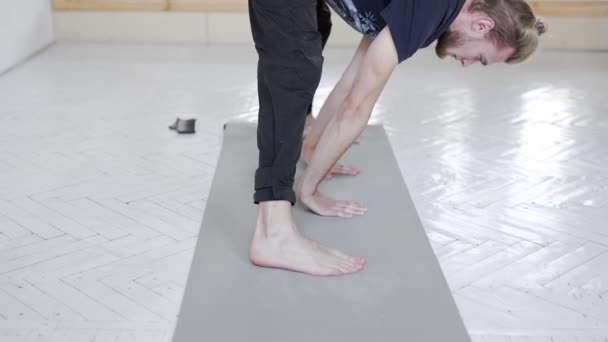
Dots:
pixel 326 206
pixel 337 169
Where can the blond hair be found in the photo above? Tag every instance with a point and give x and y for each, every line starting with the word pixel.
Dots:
pixel 515 26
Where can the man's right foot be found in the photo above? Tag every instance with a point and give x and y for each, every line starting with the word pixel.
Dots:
pixel 296 253
pixel 277 243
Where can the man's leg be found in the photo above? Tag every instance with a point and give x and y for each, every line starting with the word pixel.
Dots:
pixel 324 28
pixel 289 69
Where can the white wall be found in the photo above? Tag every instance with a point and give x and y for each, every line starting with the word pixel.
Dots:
pixel 170 27
pixel 221 28
pixel 26 26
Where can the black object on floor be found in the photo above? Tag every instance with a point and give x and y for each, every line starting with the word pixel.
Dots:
pixel 183 125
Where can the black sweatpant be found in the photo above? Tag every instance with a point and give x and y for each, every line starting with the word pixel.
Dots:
pixel 324 25
pixel 289 47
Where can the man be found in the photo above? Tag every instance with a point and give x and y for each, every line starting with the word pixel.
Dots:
pixel 289 47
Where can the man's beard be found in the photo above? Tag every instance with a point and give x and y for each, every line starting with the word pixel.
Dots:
pixel 446 40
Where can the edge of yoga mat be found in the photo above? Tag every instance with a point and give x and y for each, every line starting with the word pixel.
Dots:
pixel 401 294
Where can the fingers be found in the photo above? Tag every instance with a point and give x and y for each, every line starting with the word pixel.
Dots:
pixel 343 209
pixel 353 208
pixel 346 209
pixel 325 206
pixel 335 212
pixel 345 170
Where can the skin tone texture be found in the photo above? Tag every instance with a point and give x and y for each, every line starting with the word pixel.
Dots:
pixel 277 242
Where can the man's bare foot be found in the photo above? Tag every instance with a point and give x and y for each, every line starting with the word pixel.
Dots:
pixel 326 206
pixel 277 243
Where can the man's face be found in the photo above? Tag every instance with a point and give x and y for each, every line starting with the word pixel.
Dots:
pixel 469 48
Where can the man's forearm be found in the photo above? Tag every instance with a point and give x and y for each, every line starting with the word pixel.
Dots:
pixel 337 96
pixel 354 112
pixel 342 130
pixel 329 109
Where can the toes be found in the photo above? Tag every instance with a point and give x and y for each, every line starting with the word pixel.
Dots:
pixel 343 256
pixel 346 257
pixel 345 260
pixel 345 267
pixel 329 271
pixel 350 266
pixel 356 260
pixel 339 263
pixel 336 270
pixel 353 267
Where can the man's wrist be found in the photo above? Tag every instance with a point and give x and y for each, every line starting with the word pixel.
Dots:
pixel 308 185
pixel 308 145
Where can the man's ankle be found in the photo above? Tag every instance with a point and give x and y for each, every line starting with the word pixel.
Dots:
pixel 275 217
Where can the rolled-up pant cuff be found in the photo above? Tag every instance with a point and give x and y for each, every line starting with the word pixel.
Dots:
pixel 274 184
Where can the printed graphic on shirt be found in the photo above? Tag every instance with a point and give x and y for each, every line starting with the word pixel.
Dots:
pixel 365 23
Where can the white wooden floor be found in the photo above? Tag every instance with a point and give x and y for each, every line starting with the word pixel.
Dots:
pixel 100 204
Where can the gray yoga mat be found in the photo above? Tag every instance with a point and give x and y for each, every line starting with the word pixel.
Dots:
pixel 401 294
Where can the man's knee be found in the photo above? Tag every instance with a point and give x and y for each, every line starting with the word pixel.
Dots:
pixel 301 76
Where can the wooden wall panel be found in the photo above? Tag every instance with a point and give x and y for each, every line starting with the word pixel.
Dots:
pixel 570 8
pixel 542 7
pixel 110 5
pixel 151 5
pixel 209 5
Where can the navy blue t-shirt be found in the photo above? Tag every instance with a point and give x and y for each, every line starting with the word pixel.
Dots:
pixel 414 24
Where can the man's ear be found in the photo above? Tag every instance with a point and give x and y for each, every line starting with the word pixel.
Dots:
pixel 483 25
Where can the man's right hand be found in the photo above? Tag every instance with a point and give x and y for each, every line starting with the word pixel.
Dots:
pixel 324 205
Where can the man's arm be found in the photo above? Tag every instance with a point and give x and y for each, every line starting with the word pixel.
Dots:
pixel 349 121
pixel 331 105
pixel 337 95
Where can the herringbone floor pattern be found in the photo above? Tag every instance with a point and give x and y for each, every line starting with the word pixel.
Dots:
pixel 100 204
